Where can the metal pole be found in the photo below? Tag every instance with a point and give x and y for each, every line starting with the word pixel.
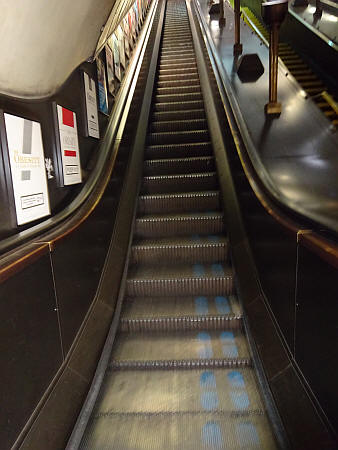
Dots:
pixel 238 48
pixel 221 14
pixel 273 107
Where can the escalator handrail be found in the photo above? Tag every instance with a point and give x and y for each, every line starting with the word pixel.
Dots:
pixel 19 250
pixel 260 183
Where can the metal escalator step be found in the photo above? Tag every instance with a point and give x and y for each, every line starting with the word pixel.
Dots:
pixel 183 279
pixel 176 46
pixel 177 56
pixel 178 105
pixel 200 431
pixel 179 165
pixel 178 83
pixel 178 150
pixel 184 249
pixel 178 77
pixel 178 125
pixel 187 182
pixel 178 89
pixel 180 346
pixel 168 98
pixel 179 224
pixel 170 65
pixel 177 50
pixel 188 114
pixel 191 71
pixel 148 307
pixel 179 137
pixel 179 202
pixel 183 323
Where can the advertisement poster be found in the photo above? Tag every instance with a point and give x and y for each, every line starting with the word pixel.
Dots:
pixel 28 172
pixel 131 34
pixel 101 78
pixel 116 52
pixel 136 17
pixel 91 107
pixel 120 36
pixel 69 146
pixel 110 69
pixel 132 23
pixel 126 36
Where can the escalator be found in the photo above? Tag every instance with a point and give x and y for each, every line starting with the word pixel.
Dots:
pixel 181 375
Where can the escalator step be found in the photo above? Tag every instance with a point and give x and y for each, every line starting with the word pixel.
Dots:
pixel 179 202
pixel 181 225
pixel 178 150
pixel 177 83
pixel 183 323
pixel 177 56
pixel 148 307
pixel 182 71
pixel 187 182
pixel 178 77
pixel 190 114
pixel 115 430
pixel 187 89
pixel 179 137
pixel 178 125
pixel 169 98
pixel 179 105
pixel 181 279
pixel 181 346
pixel 207 250
pixel 189 63
pixel 179 165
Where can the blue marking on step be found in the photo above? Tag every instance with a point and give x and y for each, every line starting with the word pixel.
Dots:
pixel 212 435
pixel 240 399
pixel 222 305
pixel 207 380
pixel 213 238
pixel 195 237
pixel 227 337
pixel 205 348
pixel 199 270
pixel 230 351
pixel 229 346
pixel 217 270
pixel 247 435
pixel 236 379
pixel 209 400
pixel 201 306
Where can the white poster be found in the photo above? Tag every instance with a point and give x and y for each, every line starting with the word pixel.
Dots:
pixel 126 36
pixel 120 37
pixel 91 107
pixel 110 69
pixel 69 145
pixel 27 168
pixel 116 52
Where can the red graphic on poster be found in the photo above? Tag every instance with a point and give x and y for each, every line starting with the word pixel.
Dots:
pixel 67 117
pixel 70 153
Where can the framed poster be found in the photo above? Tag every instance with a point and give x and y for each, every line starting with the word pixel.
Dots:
pixel 116 52
pixel 101 78
pixel 92 119
pixel 133 21
pixel 130 24
pixel 68 146
pixel 27 164
pixel 110 69
pixel 126 36
pixel 120 36
pixel 136 18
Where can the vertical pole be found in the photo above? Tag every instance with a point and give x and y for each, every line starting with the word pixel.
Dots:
pixel 221 14
pixel 238 48
pixel 273 107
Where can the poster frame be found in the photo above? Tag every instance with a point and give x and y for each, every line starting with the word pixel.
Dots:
pixel 84 104
pixel 6 177
pixel 98 61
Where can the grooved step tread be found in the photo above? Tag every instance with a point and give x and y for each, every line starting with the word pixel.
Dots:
pixel 178 105
pixel 178 125
pixel 148 307
pixel 184 249
pixel 179 150
pixel 185 279
pixel 179 202
pixel 180 346
pixel 180 224
pixel 176 165
pixel 179 182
